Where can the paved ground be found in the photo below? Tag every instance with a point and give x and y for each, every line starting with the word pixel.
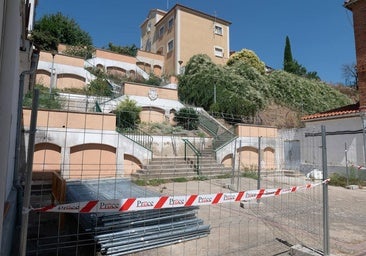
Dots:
pixel 295 218
pixel 267 228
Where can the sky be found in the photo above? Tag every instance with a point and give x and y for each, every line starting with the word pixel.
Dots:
pixel 320 31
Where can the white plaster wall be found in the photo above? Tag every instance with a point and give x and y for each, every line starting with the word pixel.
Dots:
pixel 67 138
pixel 113 63
pixel 9 84
pixel 336 143
pixel 10 26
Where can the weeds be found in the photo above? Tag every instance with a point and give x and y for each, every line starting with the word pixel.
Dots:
pixel 250 174
pixel 340 180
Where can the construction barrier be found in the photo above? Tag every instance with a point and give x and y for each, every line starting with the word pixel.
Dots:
pixel 148 203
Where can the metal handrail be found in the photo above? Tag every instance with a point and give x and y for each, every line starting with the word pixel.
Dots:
pixel 223 139
pixel 140 137
pixel 196 152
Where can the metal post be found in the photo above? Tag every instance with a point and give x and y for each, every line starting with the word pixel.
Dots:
pixel 259 163
pixel 363 118
pixel 185 150
pixel 28 178
pixel 237 185
pixel 215 93
pixel 325 195
pixel 52 82
pixel 346 158
pixel 233 161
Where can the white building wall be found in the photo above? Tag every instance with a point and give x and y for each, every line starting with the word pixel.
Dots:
pixel 67 138
pixel 10 34
pixel 347 132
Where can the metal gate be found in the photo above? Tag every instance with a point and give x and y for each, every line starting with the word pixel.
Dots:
pixel 292 155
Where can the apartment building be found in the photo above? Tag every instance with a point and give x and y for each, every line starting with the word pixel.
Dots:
pixel 183 32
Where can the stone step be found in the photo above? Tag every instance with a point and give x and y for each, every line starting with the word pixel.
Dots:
pixel 170 175
pixel 166 170
pixel 165 159
pixel 157 166
pixel 290 173
pixel 173 167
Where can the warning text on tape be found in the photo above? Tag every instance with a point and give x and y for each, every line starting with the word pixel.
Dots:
pixel 148 203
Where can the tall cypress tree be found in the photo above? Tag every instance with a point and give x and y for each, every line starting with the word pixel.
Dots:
pixel 287 58
pixel 292 66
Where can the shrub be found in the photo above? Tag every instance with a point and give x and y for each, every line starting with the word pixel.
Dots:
pixel 100 87
pixel 187 118
pixel 340 180
pixel 128 114
pixel 46 99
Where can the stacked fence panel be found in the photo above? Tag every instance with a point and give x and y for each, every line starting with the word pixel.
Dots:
pixel 125 233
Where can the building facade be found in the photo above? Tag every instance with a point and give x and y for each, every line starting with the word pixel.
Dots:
pixel 17 63
pixel 358 8
pixel 183 32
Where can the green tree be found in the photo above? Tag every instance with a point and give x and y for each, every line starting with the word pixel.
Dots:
pixel 249 57
pixel 240 88
pixel 291 65
pixel 126 50
pixel 128 114
pixel 197 84
pixel 187 118
pixel 287 58
pixel 53 29
pixel 99 87
pixel 305 95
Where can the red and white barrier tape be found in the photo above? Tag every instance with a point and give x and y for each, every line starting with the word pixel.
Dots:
pixel 148 203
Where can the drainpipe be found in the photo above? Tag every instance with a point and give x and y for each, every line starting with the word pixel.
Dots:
pixel 363 119
pixel 17 164
pixel 28 178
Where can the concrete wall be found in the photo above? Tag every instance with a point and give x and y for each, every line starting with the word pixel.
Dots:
pixel 245 149
pixel 335 142
pixel 104 54
pixel 83 146
pixel 68 71
pixel 72 120
pixel 144 90
pixel 150 62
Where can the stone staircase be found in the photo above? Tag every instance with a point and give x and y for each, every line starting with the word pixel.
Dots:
pixel 178 167
pixel 221 135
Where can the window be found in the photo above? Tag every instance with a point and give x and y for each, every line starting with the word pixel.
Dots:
pixel 148 45
pixel 218 30
pixel 170 45
pixel 161 31
pixel 219 52
pixel 170 23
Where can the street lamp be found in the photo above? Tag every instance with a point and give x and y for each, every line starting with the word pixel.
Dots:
pixel 52 81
